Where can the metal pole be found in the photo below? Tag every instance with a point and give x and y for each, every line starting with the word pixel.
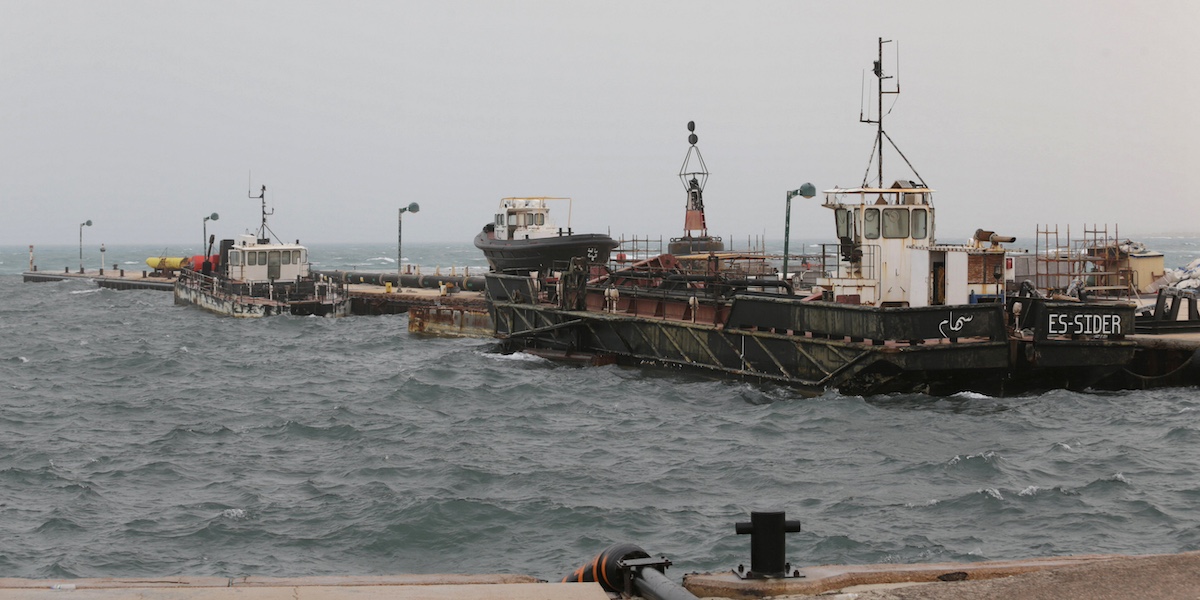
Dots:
pixel 399 245
pixel 787 233
pixel 81 247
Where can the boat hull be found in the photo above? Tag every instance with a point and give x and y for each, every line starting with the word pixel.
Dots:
pixel 543 254
pixel 189 293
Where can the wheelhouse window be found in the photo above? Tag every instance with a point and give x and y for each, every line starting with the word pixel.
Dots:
pixel 298 257
pixel 871 223
pixel 920 224
pixel 251 259
pixel 539 219
pixel 895 223
pixel 287 257
pixel 235 258
pixel 499 220
pixel 844 220
pixel 512 219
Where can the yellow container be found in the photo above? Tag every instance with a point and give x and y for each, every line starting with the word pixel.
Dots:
pixel 168 263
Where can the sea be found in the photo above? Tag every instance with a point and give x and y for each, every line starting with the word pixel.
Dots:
pixel 139 438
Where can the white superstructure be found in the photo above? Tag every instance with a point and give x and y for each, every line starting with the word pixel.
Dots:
pixel 527 218
pixel 253 261
pixel 889 256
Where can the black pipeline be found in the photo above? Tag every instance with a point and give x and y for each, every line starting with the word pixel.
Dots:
pixel 474 283
pixel 628 570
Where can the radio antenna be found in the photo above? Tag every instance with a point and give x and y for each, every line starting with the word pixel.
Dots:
pixel 263 230
pixel 880 134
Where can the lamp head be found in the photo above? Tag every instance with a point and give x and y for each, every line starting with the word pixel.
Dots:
pixel 87 223
pixel 212 217
pixel 412 208
pixel 807 190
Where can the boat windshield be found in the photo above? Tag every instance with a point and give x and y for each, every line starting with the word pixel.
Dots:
pixel 845 223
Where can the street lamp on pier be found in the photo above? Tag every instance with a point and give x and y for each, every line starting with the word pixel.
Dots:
pixel 808 191
pixel 87 223
pixel 204 242
pixel 412 208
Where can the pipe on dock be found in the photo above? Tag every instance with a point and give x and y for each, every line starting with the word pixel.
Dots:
pixel 623 565
pixel 474 283
pixel 652 584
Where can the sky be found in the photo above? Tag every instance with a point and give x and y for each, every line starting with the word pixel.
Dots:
pixel 144 117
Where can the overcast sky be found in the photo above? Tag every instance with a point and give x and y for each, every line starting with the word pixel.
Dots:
pixel 146 116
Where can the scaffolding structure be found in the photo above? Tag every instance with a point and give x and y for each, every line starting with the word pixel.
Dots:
pixel 1094 265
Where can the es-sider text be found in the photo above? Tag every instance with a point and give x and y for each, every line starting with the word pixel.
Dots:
pixel 1083 324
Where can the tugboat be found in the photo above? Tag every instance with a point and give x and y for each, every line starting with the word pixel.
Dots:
pixel 255 277
pixel 522 239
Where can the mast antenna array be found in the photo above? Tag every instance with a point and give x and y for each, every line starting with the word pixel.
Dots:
pixel 864 116
pixel 263 230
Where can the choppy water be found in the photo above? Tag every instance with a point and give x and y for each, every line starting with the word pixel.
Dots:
pixel 139 438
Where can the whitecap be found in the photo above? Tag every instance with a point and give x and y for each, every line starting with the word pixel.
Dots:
pixel 97 290
pixel 1029 491
pixel 236 514
pixel 993 492
pixel 930 502
pixel 1119 477
pixel 1064 446
pixel 972 396
pixel 517 356
pixel 382 258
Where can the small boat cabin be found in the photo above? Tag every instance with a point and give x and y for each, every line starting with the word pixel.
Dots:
pixel 527 218
pixel 256 261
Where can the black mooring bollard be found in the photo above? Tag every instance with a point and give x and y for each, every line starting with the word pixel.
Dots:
pixel 768 548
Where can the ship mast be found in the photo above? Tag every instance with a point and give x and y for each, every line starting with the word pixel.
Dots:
pixel 263 230
pixel 880 134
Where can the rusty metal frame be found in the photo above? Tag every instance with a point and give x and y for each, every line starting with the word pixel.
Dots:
pixel 658 341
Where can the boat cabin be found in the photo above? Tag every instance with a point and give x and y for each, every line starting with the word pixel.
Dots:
pixel 887 253
pixel 527 218
pixel 256 261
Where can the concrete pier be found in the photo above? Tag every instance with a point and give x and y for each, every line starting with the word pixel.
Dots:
pixel 117 279
pixel 403 587
pixel 1163 576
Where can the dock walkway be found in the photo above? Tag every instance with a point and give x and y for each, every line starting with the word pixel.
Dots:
pixel 1164 577
pixel 117 280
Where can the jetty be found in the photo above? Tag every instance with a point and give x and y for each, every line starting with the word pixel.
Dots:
pixel 116 279
pixel 443 309
pixel 1165 577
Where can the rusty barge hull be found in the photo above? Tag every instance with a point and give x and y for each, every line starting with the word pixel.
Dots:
pixel 816 346
pixel 811 364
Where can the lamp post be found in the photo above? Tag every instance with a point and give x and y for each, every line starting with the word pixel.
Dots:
pixel 87 223
pixel 204 242
pixel 808 191
pixel 412 208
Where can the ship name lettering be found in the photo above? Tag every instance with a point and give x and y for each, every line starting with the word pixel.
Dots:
pixel 1084 324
